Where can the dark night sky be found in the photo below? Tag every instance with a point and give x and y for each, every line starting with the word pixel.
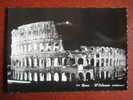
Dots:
pixel 90 26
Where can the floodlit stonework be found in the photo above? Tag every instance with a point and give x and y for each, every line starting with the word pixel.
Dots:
pixel 37 54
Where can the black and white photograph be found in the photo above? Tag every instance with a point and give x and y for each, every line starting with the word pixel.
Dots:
pixel 66 49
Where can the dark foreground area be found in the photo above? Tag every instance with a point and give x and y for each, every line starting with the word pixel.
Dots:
pixel 66 86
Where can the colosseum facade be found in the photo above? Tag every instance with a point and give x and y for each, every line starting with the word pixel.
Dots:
pixel 37 55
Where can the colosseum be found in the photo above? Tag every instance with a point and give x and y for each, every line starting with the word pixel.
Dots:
pixel 37 55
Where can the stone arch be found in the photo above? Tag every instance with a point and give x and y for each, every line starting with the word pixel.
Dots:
pixel 60 76
pixel 56 62
pixel 40 62
pixel 30 62
pixel 64 78
pixel 21 75
pixel 30 76
pixel 102 49
pixel 42 76
pixel 97 63
pixel 72 61
pixel 88 76
pixel 102 62
pixel 25 62
pixel 35 77
pixel 60 60
pixel 25 76
pixel 19 63
pixel 65 61
pixel 68 76
pixel 107 75
pixel 107 61
pixel 18 74
pixel 73 77
pixel 56 46
pixel 49 77
pixel 102 75
pixel 35 62
pixel 44 62
pixel 48 62
pixel 81 76
pixel 111 62
pixel 97 55
pixel 92 62
pixel 56 77
pixel 80 61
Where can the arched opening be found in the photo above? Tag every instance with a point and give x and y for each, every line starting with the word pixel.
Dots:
pixel 25 76
pixel 21 75
pixel 88 76
pixel 97 55
pixel 30 76
pixel 117 62
pixel 111 51
pixel 27 65
pixel 102 62
pixel 48 63
pixel 92 62
pixel 29 62
pixel 107 62
pixel 49 77
pixel 72 61
pixel 40 62
pixel 66 61
pixel 81 77
pixel 35 62
pixel 60 61
pixel 56 77
pixel 107 75
pixel 19 63
pixel 68 76
pixel 56 62
pixel 32 62
pixel 97 64
pixel 44 62
pixel 80 61
pixel 25 62
pixel 110 62
pixel 56 46
pixel 64 78
pixel 41 78
pixel 17 75
pixel 35 77
pixel 73 77
pixel 102 50
pixel 102 75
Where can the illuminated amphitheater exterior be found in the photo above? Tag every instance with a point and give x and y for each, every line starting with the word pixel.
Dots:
pixel 37 54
